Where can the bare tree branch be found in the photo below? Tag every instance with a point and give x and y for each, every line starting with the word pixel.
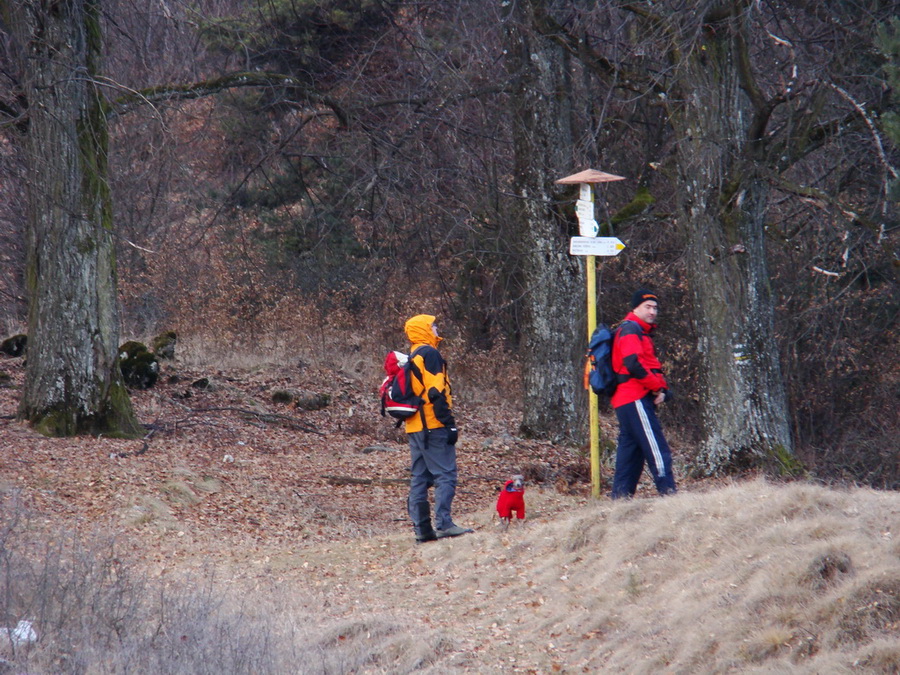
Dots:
pixel 181 92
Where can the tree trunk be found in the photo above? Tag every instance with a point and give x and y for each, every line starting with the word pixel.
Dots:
pixel 722 208
pixel 72 380
pixel 542 139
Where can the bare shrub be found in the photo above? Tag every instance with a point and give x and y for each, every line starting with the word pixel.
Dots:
pixel 77 592
pixel 94 611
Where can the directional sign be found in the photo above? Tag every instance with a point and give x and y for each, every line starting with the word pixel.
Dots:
pixel 603 246
pixel 584 209
pixel 587 226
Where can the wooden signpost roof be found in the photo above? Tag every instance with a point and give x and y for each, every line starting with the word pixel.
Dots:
pixel 589 176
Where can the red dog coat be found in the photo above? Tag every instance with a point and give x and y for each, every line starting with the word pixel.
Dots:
pixel 510 500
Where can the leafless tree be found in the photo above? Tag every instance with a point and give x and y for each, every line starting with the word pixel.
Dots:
pixel 73 383
pixel 750 97
pixel 541 120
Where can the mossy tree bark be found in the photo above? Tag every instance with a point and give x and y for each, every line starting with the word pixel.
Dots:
pixel 722 208
pixel 73 384
pixel 542 140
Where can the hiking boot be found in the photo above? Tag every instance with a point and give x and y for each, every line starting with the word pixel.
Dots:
pixel 452 531
pixel 424 537
pixel 422 524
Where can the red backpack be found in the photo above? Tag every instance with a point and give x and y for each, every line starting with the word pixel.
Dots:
pixel 397 397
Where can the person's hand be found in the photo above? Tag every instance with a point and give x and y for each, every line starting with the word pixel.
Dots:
pixel 660 397
pixel 452 435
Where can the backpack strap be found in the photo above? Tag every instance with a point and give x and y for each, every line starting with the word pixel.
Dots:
pixel 620 377
pixel 412 373
pixel 414 369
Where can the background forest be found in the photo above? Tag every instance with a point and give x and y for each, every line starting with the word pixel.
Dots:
pixel 312 172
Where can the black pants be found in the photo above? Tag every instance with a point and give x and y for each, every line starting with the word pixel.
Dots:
pixel 641 441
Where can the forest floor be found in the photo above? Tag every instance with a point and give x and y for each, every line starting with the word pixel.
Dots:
pixel 305 511
pixel 225 465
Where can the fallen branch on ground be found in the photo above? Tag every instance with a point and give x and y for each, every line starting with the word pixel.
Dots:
pixel 351 480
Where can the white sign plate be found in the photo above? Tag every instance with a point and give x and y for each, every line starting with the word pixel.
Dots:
pixel 587 226
pixel 584 209
pixel 603 246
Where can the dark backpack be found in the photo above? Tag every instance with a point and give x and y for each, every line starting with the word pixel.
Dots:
pixel 598 371
pixel 397 397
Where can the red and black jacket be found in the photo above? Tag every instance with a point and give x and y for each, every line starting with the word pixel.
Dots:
pixel 634 361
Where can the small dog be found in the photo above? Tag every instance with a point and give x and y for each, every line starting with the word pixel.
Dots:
pixel 512 498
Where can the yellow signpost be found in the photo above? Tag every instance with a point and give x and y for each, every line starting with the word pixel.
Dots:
pixel 590 245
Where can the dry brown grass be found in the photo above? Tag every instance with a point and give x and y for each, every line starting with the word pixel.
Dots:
pixel 735 577
pixel 703 582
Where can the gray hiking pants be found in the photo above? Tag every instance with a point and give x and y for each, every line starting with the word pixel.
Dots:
pixel 433 463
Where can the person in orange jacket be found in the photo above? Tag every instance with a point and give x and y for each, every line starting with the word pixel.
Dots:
pixel 432 435
pixel 642 387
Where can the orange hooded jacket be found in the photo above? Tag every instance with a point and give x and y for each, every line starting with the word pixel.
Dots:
pixel 434 385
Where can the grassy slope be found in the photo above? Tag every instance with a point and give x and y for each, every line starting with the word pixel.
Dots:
pixel 750 577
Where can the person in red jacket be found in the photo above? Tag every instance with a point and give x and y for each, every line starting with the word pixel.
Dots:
pixel 642 387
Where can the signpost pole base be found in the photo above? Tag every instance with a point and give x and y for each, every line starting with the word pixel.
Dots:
pixel 593 415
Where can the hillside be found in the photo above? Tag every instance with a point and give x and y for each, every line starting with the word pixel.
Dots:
pixel 252 536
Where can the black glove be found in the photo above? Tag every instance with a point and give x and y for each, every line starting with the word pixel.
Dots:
pixel 452 435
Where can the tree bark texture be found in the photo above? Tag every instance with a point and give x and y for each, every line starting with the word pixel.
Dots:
pixel 542 139
pixel 722 208
pixel 73 383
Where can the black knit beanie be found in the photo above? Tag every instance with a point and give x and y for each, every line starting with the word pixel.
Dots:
pixel 642 295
